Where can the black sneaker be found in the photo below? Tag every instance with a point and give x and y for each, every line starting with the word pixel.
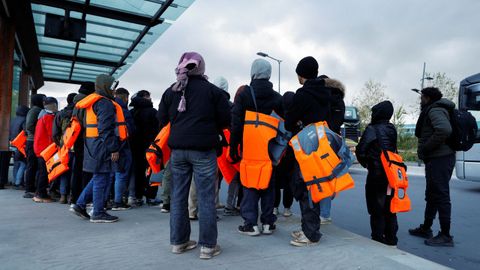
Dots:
pixel 230 212
pixel 441 240
pixel 79 211
pixel 108 205
pixel 249 230
pixel 421 232
pixel 103 218
pixel 28 195
pixel 165 208
pixel 120 206
pixel 153 202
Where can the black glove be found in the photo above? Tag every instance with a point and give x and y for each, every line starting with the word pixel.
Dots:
pixel 234 156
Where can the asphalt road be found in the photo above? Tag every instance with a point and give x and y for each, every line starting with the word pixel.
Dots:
pixel 349 212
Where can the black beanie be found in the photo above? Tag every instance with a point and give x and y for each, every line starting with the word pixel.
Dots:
pixel 87 88
pixel 432 92
pixel 307 68
pixel 70 97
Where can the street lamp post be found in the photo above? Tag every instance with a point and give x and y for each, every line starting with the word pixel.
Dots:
pixel 262 54
pixel 423 76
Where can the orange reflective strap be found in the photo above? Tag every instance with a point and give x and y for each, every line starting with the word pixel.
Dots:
pixel 256 165
pixel 396 172
pixel 20 142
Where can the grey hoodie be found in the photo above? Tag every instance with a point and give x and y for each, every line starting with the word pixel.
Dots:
pixel 435 130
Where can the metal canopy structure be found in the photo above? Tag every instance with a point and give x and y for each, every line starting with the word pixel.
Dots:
pixel 117 33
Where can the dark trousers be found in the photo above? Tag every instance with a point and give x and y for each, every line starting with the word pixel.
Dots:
pixel 4 165
pixel 310 211
pixel 287 197
pixel 32 167
pixel 249 205
pixel 438 172
pixel 79 179
pixel 42 179
pixel 142 186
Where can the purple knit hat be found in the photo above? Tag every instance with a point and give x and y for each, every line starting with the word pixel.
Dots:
pixel 191 63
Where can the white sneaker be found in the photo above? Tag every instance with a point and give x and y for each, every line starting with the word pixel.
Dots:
pixel 301 240
pixel 287 212
pixel 325 221
pixel 247 230
pixel 179 249
pixel 268 229
pixel 275 211
pixel 208 253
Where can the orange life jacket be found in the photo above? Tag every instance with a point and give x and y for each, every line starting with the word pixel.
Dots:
pixel 256 165
pixel 324 172
pixel 56 160
pixel 71 133
pixel 91 122
pixel 159 153
pixel 57 164
pixel 396 172
pixel 19 142
pixel 228 169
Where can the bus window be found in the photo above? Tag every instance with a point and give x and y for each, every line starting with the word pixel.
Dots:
pixel 473 97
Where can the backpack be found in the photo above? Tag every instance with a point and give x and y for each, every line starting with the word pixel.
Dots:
pixel 464 130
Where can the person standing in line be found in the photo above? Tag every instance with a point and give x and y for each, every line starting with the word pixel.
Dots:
pixel 20 163
pixel 32 162
pixel 433 130
pixel 42 139
pixel 379 135
pixel 196 110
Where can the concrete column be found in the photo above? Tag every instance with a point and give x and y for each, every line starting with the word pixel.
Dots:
pixel 7 45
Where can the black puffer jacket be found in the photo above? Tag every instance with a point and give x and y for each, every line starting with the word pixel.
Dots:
pixel 267 101
pixel 337 104
pixel 18 124
pixel 369 148
pixel 206 115
pixel 310 104
pixel 146 123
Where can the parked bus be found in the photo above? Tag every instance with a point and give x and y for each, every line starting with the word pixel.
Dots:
pixel 467 166
pixel 351 124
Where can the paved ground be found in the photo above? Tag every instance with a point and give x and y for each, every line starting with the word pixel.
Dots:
pixel 47 236
pixel 349 212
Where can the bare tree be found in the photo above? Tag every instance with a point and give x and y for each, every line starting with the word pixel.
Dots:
pixel 399 116
pixel 371 94
pixel 448 86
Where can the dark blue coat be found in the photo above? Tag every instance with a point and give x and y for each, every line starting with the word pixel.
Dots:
pixel 98 151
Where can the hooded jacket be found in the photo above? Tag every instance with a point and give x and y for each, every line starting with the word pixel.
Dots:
pixel 206 115
pixel 433 129
pixel 60 123
pixel 146 123
pixel 267 101
pixel 18 124
pixel 32 115
pixel 370 146
pixel 43 131
pixel 97 151
pixel 310 104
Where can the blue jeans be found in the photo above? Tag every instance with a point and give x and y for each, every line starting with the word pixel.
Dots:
pixel 19 172
pixel 249 206
pixel 325 206
pixel 65 177
pixel 95 190
pixel 121 179
pixel 203 166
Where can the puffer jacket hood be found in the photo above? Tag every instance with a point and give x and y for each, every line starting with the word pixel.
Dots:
pixel 261 69
pixel 22 110
pixel 382 112
pixel 335 84
pixel 103 84
pixel 140 102
pixel 37 100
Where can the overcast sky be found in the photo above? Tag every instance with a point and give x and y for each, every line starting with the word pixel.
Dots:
pixel 353 41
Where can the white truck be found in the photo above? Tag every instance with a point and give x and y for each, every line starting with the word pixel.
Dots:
pixel 467 164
